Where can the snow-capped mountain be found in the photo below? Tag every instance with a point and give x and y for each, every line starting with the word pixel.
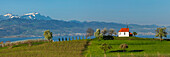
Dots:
pixel 34 15
pixel 8 15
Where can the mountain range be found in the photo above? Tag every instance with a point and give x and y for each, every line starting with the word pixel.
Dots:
pixel 34 15
pixel 35 24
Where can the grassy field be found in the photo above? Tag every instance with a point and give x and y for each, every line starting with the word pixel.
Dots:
pixel 73 48
pixel 137 48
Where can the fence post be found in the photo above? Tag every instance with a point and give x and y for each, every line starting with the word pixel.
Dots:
pixel 72 38
pixel 82 37
pixel 69 38
pixel 76 37
pixel 79 37
pixel 86 37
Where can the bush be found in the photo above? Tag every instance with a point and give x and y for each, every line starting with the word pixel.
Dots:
pixel 123 46
pixel 105 47
pixel 108 37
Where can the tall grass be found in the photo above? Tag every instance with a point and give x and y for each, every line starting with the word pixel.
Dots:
pixel 49 49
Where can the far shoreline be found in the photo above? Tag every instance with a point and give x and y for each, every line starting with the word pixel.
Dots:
pixel 19 36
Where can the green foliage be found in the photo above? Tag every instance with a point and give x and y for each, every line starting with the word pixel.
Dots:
pixel 115 33
pixel 161 32
pixel 105 47
pixel 48 35
pixel 135 33
pixel 97 34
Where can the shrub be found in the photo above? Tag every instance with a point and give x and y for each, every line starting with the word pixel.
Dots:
pixel 66 39
pixel 123 46
pixel 48 35
pixel 105 47
pixel 58 39
pixel 62 39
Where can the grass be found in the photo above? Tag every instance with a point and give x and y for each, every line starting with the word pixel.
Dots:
pixel 137 47
pixel 45 49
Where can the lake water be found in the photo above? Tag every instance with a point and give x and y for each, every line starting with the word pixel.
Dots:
pixel 56 38
pixel 151 36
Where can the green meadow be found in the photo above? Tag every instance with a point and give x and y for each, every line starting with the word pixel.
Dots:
pixel 137 47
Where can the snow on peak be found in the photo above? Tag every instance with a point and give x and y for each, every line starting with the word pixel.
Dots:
pixel 33 14
pixel 8 14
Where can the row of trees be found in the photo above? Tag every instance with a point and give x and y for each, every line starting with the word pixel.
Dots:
pixel 100 34
pixel 90 32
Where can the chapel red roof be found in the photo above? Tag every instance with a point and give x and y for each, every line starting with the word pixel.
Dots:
pixel 124 30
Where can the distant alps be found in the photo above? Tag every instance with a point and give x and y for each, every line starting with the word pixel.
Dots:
pixel 34 15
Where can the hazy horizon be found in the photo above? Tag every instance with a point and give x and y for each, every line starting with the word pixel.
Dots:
pixel 143 12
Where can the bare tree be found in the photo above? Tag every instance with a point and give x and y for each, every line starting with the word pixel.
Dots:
pixel 90 32
pixel 111 31
pixel 104 31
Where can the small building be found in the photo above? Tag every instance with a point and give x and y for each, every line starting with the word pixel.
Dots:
pixel 124 32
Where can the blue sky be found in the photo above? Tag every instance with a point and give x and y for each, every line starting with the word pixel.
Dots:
pixel 120 11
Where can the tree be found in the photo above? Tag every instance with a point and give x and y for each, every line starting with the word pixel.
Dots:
pixel 97 33
pixel 115 33
pixel 90 32
pixel 104 31
pixel 161 32
pixel 111 31
pixel 123 46
pixel 105 47
pixel 48 35
pixel 135 33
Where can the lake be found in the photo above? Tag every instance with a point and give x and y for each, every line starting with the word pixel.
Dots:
pixel 151 36
pixel 56 38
